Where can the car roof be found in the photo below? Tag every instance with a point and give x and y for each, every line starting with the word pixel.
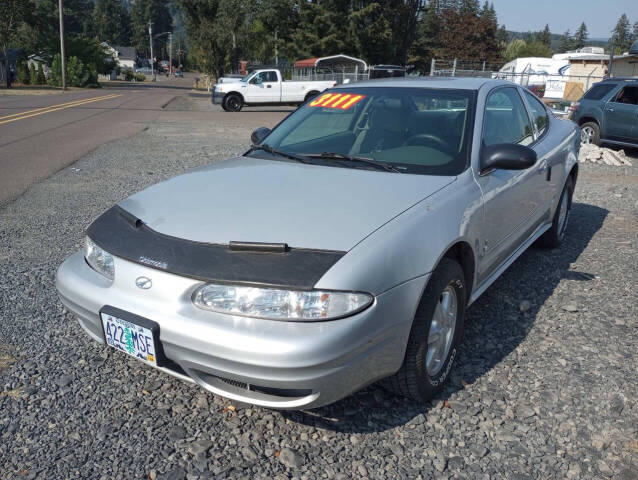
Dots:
pixel 621 79
pixel 460 83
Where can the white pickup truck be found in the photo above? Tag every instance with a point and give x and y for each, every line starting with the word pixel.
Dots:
pixel 265 87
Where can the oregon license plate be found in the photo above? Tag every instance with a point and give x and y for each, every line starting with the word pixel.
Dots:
pixel 133 339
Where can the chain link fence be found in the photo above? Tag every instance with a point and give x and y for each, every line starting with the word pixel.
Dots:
pixel 551 86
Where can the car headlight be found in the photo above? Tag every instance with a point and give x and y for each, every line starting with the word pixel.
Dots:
pixel 100 260
pixel 279 304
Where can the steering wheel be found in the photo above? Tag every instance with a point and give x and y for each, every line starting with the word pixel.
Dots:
pixel 428 140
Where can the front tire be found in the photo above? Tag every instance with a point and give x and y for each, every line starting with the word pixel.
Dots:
pixel 233 103
pixel 590 133
pixel 436 333
pixel 553 237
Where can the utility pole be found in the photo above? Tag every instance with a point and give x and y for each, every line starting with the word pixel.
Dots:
pixel 150 36
pixel 170 54
pixel 276 51
pixel 60 8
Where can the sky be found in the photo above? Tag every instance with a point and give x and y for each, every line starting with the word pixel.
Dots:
pixel 599 15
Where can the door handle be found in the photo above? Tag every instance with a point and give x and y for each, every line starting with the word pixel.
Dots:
pixel 543 167
pixel 609 109
pixel 268 86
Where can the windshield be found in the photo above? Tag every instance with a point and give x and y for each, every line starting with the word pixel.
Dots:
pixel 414 130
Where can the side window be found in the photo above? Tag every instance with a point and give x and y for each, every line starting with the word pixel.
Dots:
pixel 506 119
pixel 539 112
pixel 628 95
pixel 597 92
pixel 270 76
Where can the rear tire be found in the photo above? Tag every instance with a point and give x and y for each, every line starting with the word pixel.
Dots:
pixel 233 102
pixel 428 361
pixel 590 133
pixel 553 237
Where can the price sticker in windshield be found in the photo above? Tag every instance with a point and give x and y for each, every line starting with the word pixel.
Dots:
pixel 340 101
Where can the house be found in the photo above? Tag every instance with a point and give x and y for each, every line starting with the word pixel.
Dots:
pixel 627 64
pixel 35 59
pixel 125 57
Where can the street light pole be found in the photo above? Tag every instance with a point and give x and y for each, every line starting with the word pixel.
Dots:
pixel 60 8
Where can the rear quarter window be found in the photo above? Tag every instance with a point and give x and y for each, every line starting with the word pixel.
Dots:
pixel 597 92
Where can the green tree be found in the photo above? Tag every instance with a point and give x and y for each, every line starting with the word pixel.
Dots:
pixel 621 36
pixel 581 36
pixel 634 35
pixel 33 75
pixel 426 44
pixel 23 73
pixel 469 7
pixel 157 12
pixel 545 36
pixel 14 14
pixel 566 42
pixel 112 22
pixel 519 48
pixel 41 79
pixel 77 74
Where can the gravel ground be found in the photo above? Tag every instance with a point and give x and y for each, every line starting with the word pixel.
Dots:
pixel 544 387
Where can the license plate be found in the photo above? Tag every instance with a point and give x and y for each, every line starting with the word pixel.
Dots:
pixel 129 337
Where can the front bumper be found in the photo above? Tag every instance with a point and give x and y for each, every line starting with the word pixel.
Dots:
pixel 288 365
pixel 217 97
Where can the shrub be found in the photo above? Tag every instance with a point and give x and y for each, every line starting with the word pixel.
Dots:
pixel 23 73
pixel 77 74
pixel 33 75
pixel 41 79
pixel 130 75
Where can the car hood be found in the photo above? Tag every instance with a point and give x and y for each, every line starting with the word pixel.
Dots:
pixel 255 200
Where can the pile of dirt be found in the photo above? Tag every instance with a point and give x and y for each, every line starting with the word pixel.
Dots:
pixel 606 156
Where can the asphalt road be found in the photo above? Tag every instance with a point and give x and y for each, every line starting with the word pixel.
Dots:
pixel 40 134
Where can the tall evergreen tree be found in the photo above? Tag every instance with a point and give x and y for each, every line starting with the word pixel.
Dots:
pixel 469 7
pixel 566 42
pixel 581 36
pixel 13 14
pixel 112 22
pixel 621 35
pixel 545 36
pixel 634 35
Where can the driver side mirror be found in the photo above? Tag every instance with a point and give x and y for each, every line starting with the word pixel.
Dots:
pixel 256 80
pixel 506 156
pixel 258 135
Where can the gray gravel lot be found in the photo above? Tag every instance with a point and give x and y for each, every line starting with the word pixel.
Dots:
pixel 545 385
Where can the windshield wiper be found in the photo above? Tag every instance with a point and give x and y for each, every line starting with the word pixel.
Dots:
pixel 363 160
pixel 273 151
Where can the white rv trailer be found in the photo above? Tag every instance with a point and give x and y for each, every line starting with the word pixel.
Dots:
pixel 530 71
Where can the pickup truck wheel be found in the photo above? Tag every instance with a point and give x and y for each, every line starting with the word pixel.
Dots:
pixel 436 332
pixel 233 103
pixel 590 133
pixel 553 237
pixel 310 96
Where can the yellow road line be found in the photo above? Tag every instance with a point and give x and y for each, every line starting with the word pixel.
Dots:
pixel 53 108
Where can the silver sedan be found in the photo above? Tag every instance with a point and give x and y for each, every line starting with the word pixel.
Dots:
pixel 342 249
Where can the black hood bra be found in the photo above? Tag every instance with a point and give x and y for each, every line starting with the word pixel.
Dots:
pixel 274 265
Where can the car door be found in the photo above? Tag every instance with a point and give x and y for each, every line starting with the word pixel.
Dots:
pixel 513 200
pixel 549 157
pixel 263 88
pixel 620 115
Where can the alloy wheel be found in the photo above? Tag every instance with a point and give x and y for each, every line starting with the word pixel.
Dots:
pixel 441 334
